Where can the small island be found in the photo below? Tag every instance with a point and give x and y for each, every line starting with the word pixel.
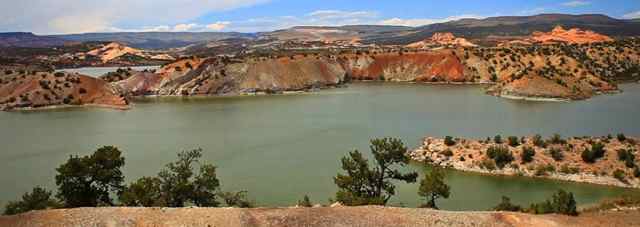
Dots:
pixel 597 160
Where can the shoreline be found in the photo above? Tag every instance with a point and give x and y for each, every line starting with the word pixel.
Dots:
pixel 469 156
pixel 65 106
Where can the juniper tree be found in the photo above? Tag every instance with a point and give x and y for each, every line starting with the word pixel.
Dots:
pixel 432 187
pixel 365 185
pixel 88 181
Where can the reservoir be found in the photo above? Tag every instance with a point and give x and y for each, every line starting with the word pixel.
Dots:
pixel 281 147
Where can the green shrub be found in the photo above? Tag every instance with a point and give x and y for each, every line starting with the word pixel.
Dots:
pixel 182 182
pixel 527 154
pixel 497 139
pixel 38 199
pixel 566 169
pixel 562 202
pixel 557 154
pixel 145 192
pixel 621 137
pixel 627 157
pixel 500 154
pixel 592 155
pixel 448 140
pixel 543 170
pixel 620 175
pixel 506 205
pixel 513 141
pixel 236 199
pixel 305 202
pixel 557 139
pixel 636 172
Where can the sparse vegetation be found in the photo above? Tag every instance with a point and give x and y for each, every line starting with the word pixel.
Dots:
pixel 513 141
pixel 506 205
pixel 596 152
pixel 562 202
pixel 627 156
pixel 620 175
pixel 305 202
pixel 448 140
pixel 556 153
pixel 527 154
pixel 38 199
pixel 237 199
pixel 497 139
pixel 500 154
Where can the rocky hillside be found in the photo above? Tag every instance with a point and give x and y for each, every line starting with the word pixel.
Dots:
pixel 598 160
pixel 23 89
pixel 564 71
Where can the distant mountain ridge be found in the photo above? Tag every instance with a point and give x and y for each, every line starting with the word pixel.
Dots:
pixel 28 39
pixel 519 26
pixel 476 30
pixel 156 40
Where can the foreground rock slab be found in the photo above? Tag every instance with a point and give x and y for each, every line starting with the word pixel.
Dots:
pixel 322 216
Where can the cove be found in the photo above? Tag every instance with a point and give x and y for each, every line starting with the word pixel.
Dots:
pixel 282 147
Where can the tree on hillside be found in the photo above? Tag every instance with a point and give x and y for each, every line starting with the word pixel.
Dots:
pixel 38 199
pixel 145 192
pixel 432 187
pixel 362 185
pixel 88 181
pixel 180 183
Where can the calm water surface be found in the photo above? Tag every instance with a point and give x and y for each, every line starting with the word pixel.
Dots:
pixel 99 71
pixel 280 148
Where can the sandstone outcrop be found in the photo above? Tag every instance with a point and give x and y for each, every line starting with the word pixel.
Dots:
pixel 431 66
pixel 115 50
pixel 442 39
pixel 574 35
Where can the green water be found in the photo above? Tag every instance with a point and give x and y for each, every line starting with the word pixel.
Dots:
pixel 282 147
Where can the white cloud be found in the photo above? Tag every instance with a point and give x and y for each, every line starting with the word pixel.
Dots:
pixel 315 18
pixel 75 16
pixel 533 11
pixel 632 15
pixel 218 26
pixel 576 3
pixel 337 14
pixel 184 27
pixel 425 21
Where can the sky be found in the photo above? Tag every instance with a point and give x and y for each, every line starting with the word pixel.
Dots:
pixel 84 16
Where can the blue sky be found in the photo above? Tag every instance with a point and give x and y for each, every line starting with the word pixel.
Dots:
pixel 77 16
